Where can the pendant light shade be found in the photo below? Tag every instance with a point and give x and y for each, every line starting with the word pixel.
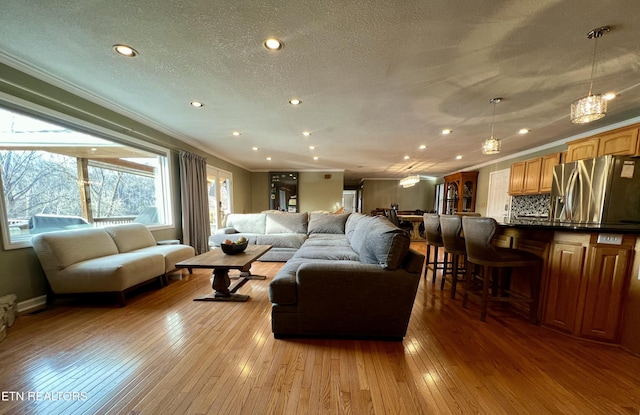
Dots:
pixel 410 181
pixel 492 145
pixel 593 106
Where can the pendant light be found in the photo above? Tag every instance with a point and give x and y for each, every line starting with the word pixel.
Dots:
pixel 592 107
pixel 492 145
pixel 410 181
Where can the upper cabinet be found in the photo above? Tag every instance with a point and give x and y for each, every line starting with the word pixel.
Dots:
pixel 460 192
pixel 533 176
pixel 585 148
pixel 622 142
pixel 546 172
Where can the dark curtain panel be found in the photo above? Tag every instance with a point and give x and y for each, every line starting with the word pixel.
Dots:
pixel 195 203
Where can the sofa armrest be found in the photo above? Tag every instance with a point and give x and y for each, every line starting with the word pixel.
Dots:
pixel 227 230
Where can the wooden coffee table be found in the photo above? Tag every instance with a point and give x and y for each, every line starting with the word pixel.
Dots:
pixel 221 263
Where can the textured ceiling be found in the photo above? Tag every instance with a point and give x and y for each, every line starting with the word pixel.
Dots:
pixel 377 78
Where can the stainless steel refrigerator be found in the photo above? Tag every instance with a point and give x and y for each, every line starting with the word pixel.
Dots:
pixel 602 190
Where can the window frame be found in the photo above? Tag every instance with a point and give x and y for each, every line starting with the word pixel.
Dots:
pixel 31 109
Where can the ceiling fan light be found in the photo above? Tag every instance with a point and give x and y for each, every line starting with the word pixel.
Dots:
pixel 587 109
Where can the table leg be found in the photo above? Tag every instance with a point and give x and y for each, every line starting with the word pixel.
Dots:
pixel 222 291
pixel 246 274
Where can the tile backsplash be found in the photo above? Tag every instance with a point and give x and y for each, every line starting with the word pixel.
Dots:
pixel 530 205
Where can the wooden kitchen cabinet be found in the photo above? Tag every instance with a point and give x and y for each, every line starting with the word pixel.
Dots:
pixel 622 142
pixel 585 148
pixel 549 162
pixel 563 285
pixel 516 178
pixel 606 282
pixel 586 285
pixel 533 176
pixel 532 171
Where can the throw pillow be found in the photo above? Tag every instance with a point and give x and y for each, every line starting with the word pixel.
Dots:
pixel 327 222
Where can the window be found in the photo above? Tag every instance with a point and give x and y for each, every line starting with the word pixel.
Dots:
pixel 54 178
pixel 220 190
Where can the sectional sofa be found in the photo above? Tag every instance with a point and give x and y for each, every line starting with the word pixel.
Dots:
pixel 285 232
pixel 113 259
pixel 347 275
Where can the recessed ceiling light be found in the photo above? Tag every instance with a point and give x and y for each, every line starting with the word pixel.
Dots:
pixel 447 131
pixel 312 147
pixel 609 96
pixel 458 157
pixel 236 133
pixel 126 51
pixel 306 133
pixel 523 131
pixel 315 157
pixel 273 44
pixel 406 157
pixel 269 158
pixel 197 104
pixel 422 146
pixel 254 148
pixel 295 101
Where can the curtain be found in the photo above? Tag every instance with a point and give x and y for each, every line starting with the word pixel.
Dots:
pixel 195 201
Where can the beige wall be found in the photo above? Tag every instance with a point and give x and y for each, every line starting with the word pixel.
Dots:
pixel 315 192
pixel 382 193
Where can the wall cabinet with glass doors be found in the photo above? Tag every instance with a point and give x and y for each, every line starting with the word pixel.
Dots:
pixel 460 192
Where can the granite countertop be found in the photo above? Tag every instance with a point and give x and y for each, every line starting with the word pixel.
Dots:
pixel 543 223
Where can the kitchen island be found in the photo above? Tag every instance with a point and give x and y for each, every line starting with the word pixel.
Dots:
pixel 587 284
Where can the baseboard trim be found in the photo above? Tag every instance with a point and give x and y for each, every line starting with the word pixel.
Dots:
pixel 31 304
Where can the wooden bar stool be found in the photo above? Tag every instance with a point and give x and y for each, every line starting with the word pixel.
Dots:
pixel 434 239
pixel 451 229
pixel 494 286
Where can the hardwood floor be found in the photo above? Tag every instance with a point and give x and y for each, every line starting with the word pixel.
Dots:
pixel 166 354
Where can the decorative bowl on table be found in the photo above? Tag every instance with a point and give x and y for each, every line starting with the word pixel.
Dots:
pixel 234 248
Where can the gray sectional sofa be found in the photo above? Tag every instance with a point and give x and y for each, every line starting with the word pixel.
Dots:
pixel 285 232
pixel 354 276
pixel 113 259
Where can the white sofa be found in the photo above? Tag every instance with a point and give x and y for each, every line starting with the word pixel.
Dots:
pixel 111 260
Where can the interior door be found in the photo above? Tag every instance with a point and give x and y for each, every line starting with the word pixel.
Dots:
pixel 498 199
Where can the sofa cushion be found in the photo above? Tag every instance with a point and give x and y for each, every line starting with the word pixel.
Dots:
pixel 359 234
pixel 70 247
pixel 247 222
pixel 286 223
pixel 131 236
pixel 327 239
pixel 351 224
pixel 327 222
pixel 289 240
pixel 109 273
pixel 171 254
pixel 328 253
pixel 385 244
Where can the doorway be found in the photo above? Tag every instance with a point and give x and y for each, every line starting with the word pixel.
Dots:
pixel 499 200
